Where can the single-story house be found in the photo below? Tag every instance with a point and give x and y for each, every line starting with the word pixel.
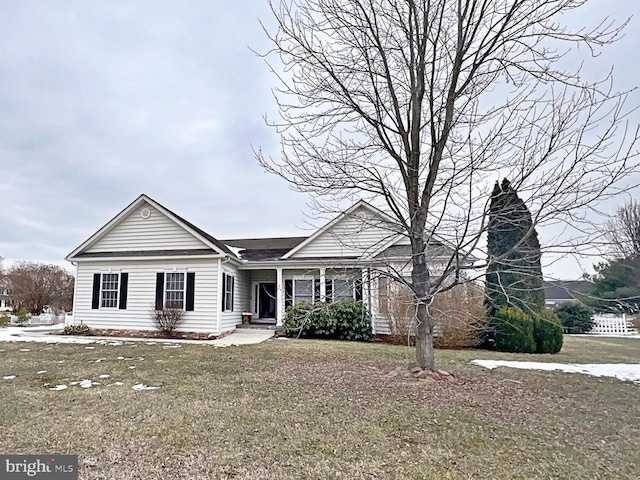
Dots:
pixel 147 257
pixel 559 292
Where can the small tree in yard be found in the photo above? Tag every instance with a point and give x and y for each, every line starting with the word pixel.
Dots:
pixel 514 272
pixel 35 285
pixel 623 231
pixel 418 105
pixel 167 319
pixel 575 317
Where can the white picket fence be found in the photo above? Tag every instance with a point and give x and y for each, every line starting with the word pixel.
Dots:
pixel 42 319
pixel 611 324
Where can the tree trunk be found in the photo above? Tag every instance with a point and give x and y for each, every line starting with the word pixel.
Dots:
pixel 421 289
pixel 425 357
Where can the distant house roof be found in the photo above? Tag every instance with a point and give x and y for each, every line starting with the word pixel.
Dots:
pixel 566 290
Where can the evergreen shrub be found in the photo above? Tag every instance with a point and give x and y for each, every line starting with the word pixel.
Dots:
pixel 547 332
pixel 575 317
pixel 513 330
pixel 352 321
pixel 344 320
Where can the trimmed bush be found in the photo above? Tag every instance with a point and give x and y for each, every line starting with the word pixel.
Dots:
pixel 547 332
pixel 168 319
pixel 345 320
pixel 575 317
pixel 23 316
pixel 5 320
pixel 513 330
pixel 80 329
pixel 352 321
pixel 304 320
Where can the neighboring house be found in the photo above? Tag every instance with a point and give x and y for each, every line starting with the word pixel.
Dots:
pixel 5 298
pixel 148 257
pixel 558 292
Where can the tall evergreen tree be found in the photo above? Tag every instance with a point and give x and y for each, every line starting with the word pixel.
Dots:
pixel 514 273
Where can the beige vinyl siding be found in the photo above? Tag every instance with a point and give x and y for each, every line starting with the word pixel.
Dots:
pixel 141 294
pixel 360 234
pixel 240 299
pixel 243 291
pixel 158 232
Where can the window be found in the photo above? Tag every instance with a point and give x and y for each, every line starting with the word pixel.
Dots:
pixel 342 289
pixel 228 283
pixel 174 290
pixel 303 290
pixel 308 290
pixel 109 290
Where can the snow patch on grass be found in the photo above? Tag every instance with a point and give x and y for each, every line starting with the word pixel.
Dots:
pixel 142 386
pixel 621 371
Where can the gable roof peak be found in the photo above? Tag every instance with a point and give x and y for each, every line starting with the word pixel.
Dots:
pixel 203 236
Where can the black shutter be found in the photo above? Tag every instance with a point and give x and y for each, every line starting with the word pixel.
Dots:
pixel 191 282
pixel 124 282
pixel 95 299
pixel 224 292
pixel 159 291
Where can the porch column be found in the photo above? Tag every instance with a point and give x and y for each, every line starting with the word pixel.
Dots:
pixel 323 285
pixel 367 294
pixel 279 297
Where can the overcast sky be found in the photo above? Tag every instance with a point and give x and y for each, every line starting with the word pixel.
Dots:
pixel 101 101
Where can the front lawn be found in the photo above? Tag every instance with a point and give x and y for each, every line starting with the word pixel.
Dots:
pixel 321 410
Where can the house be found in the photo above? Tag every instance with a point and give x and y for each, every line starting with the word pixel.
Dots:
pixel 147 257
pixel 560 292
pixel 5 299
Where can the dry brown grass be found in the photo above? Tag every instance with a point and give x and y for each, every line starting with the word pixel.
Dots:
pixel 318 410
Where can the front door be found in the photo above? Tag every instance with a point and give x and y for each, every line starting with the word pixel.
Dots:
pixel 267 300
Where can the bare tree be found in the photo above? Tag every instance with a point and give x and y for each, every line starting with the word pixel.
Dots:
pixel 419 105
pixel 34 286
pixel 623 230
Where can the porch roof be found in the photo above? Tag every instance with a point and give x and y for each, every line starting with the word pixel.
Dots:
pixel 263 249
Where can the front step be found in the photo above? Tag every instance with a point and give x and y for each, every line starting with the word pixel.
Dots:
pixel 257 326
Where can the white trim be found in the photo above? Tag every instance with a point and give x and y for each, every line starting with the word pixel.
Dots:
pixel 142 258
pixel 279 296
pixel 117 290
pixel 184 287
pixel 323 285
pixel 219 299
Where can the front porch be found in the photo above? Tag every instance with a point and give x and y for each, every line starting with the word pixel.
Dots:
pixel 272 290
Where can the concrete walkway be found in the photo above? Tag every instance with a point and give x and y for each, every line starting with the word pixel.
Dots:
pixel 43 335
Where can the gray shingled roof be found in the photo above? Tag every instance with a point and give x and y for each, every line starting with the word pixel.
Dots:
pixel 566 290
pixel 263 249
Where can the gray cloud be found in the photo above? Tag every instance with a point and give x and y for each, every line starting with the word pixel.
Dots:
pixel 102 101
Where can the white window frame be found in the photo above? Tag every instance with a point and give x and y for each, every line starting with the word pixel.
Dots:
pixel 228 292
pixel 297 278
pixel 115 292
pixel 167 302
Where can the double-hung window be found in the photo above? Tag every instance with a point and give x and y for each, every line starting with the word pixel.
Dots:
pixel 308 290
pixel 342 289
pixel 228 283
pixel 174 290
pixel 109 290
